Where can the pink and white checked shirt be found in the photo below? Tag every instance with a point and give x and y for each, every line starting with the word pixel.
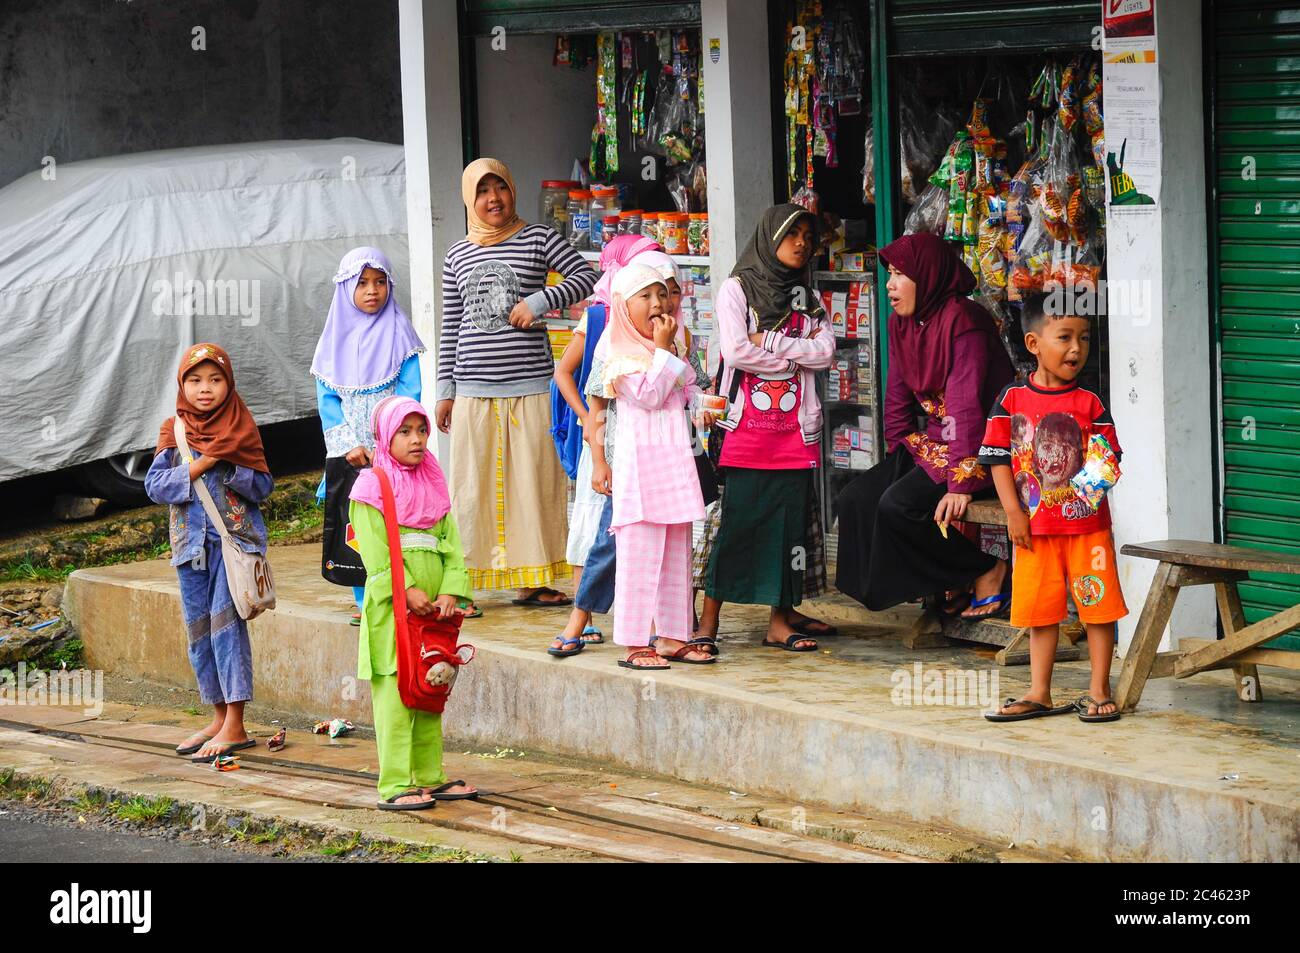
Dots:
pixel 655 480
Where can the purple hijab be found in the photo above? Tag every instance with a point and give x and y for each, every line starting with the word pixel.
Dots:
pixel 359 351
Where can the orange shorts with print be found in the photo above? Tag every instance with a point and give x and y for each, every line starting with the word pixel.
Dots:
pixel 1082 566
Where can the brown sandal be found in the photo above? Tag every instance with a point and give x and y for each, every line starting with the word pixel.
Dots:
pixel 643 653
pixel 694 645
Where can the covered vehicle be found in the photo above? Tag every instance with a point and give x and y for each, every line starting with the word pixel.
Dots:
pixel 110 268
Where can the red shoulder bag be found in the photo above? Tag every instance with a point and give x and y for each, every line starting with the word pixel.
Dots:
pixel 428 656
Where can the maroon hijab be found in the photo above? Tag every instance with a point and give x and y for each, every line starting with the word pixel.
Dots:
pixel 924 340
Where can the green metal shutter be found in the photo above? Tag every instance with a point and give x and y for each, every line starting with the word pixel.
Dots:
pixel 577 16
pixel 1256 111
pixel 927 27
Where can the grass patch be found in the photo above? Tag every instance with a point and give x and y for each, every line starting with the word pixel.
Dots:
pixel 341 846
pixel 192 710
pixel 90 801
pixel 72 655
pixel 143 810
pixel 27 571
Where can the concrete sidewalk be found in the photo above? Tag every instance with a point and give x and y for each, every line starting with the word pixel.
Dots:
pixel 1194 775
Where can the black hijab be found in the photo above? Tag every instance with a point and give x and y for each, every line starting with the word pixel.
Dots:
pixel 769 285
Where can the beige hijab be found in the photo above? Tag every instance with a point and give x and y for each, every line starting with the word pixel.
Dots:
pixel 480 232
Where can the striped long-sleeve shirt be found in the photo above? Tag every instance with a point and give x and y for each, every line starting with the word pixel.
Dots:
pixel 481 353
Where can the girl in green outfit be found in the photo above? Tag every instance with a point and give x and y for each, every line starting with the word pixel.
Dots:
pixel 409 742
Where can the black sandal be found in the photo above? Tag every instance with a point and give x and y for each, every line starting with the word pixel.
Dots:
pixel 536 600
pixel 1038 710
pixel 390 804
pixel 440 793
pixel 1085 701
pixel 788 644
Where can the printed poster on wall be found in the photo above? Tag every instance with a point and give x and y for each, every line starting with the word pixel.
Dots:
pixel 1132 90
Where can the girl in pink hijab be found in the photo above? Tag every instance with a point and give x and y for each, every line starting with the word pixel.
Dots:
pixel 409 742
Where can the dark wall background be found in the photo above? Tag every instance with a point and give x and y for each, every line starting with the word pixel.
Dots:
pixel 87 78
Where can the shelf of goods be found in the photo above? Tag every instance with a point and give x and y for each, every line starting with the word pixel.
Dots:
pixel 851 435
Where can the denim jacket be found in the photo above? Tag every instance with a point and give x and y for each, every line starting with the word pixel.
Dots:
pixel 236 490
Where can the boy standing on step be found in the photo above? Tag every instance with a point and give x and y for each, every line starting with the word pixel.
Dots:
pixel 1034 443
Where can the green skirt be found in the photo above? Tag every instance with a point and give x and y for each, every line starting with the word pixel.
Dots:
pixel 761 553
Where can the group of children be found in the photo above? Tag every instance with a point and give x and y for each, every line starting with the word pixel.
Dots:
pixel 633 384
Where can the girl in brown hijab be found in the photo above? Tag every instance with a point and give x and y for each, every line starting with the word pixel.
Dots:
pixel 228 458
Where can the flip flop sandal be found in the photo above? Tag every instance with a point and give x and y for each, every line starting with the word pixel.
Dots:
pixel 536 600
pixel 190 749
pixel 707 642
pixel 563 652
pixel 226 749
pixel 643 653
pixel 1003 599
pixel 356 619
pixel 788 644
pixel 806 629
pixel 477 613
pixel 598 637
pixel 438 793
pixel 693 646
pixel 390 804
pixel 1086 700
pixel 1038 710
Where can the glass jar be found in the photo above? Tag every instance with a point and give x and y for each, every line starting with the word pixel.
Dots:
pixel 604 202
pixel 579 209
pixel 554 204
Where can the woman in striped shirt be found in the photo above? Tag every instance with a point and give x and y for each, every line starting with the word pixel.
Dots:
pixel 494 372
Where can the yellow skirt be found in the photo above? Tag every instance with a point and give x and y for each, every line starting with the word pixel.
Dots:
pixel 508 491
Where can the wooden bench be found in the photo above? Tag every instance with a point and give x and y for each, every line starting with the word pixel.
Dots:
pixel 1191 563
pixel 936 629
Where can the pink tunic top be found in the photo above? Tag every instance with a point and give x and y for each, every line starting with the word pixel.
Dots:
pixel 655 480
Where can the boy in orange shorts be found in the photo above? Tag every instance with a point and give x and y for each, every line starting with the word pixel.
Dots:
pixel 1034 443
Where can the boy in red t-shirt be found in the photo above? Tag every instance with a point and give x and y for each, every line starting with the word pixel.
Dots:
pixel 1034 443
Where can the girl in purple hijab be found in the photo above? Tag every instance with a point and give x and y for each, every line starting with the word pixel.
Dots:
pixel 947 365
pixel 367 351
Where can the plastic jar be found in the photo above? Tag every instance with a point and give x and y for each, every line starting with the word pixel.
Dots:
pixel 604 202
pixel 630 221
pixel 608 230
pixel 697 233
pixel 579 226
pixel 650 226
pixel 554 204
pixel 672 233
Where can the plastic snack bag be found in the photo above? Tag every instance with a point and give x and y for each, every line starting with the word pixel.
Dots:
pixel 1100 472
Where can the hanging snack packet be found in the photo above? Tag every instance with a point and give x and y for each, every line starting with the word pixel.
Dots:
pixel 1100 472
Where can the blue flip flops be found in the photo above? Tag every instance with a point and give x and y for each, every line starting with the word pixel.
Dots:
pixel 564 651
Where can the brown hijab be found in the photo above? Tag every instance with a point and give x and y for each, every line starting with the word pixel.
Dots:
pixel 227 431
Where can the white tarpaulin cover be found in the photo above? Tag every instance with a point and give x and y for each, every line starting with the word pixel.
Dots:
pixel 116 265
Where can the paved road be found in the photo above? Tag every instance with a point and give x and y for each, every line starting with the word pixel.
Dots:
pixel 33 837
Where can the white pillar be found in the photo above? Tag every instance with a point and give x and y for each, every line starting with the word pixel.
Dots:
pixel 431 128
pixel 737 124
pixel 1160 392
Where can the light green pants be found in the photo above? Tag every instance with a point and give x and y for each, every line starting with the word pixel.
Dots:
pixel 409 742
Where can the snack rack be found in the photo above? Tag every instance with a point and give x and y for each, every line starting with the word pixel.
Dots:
pixel 851 437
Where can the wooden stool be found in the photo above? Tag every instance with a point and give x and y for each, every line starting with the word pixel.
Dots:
pixel 936 629
pixel 1186 562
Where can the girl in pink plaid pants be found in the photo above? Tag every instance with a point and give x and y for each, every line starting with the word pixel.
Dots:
pixel 655 487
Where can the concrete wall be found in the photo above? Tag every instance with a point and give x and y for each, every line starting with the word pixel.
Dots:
pixel 80 80
pixel 534 117
pixel 1160 358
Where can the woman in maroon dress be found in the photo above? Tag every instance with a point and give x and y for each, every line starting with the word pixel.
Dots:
pixel 946 363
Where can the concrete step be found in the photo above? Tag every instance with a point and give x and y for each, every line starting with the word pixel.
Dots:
pixel 861 725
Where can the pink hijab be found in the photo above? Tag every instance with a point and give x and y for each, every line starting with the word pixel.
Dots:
pixel 618 253
pixel 419 491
